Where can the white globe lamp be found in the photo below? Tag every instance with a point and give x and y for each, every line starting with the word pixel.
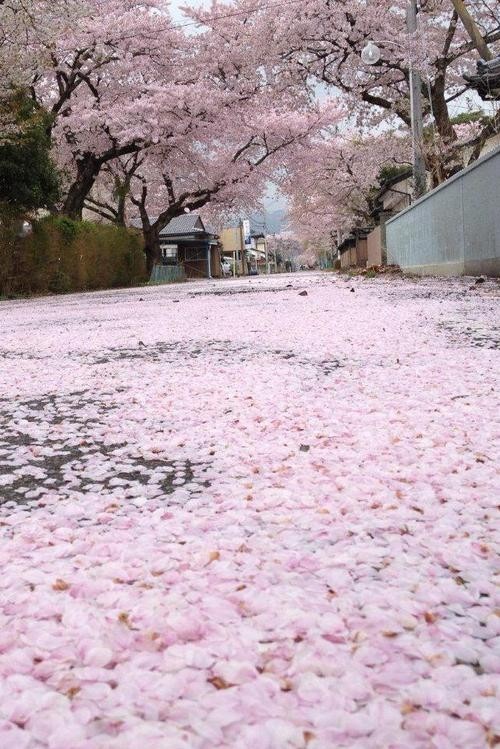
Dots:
pixel 371 54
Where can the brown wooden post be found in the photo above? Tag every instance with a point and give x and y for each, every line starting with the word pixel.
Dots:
pixel 472 29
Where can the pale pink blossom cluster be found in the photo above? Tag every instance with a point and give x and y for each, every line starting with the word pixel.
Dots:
pixel 256 520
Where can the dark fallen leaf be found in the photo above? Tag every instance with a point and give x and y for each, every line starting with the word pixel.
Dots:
pixel 480 280
pixel 305 448
pixel 219 683
pixel 124 618
pixel 303 293
pixel 60 585
pixel 407 708
pixel 353 290
pixel 141 343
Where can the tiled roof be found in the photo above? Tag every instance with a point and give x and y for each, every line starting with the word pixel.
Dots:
pixel 188 223
pixel 185 224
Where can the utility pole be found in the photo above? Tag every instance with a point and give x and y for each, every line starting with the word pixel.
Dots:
pixel 239 252
pixel 417 120
pixel 209 260
pixel 472 29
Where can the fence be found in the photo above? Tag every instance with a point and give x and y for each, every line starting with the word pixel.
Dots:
pixel 455 229
pixel 167 274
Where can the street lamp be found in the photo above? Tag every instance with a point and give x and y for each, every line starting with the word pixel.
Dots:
pixel 371 55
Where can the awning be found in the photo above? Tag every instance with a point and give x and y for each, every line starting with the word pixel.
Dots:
pixel 256 253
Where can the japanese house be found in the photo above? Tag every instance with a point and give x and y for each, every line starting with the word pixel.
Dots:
pixel 186 244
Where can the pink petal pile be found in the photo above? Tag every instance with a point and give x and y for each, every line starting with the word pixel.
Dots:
pixel 251 520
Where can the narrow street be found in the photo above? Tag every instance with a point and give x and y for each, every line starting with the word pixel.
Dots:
pixel 234 514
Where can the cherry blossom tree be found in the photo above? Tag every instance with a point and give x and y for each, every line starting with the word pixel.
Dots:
pixel 97 68
pixel 141 111
pixel 13 21
pixel 286 248
pixel 322 42
pixel 225 163
pixel 211 132
pixel 110 199
pixel 331 185
pixel 14 75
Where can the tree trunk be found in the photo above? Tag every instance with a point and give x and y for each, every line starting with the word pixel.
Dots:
pixel 88 168
pixel 442 156
pixel 151 247
pixel 120 211
pixel 122 192
pixel 441 112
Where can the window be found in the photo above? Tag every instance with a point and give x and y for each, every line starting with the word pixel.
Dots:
pixel 169 254
pixel 195 253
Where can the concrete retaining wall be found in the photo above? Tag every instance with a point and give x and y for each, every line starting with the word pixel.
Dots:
pixel 455 229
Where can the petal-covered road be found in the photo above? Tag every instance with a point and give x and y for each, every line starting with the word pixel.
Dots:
pixel 237 517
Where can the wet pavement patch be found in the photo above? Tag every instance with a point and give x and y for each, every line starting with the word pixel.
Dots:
pixel 217 352
pixel 466 332
pixel 47 446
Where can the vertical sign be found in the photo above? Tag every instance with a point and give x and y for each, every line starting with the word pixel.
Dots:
pixel 247 239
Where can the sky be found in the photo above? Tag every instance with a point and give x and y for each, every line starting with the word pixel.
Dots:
pixel 175 6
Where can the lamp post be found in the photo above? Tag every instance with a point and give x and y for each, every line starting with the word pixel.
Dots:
pixel 371 55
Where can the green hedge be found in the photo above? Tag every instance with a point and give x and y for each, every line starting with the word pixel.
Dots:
pixel 62 255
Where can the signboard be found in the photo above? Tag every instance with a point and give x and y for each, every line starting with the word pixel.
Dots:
pixel 247 239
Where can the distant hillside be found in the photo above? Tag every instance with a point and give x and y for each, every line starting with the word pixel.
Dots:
pixel 269 222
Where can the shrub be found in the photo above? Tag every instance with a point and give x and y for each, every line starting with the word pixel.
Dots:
pixel 28 176
pixel 63 255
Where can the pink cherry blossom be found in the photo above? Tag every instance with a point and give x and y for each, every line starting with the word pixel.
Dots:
pixel 272 525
